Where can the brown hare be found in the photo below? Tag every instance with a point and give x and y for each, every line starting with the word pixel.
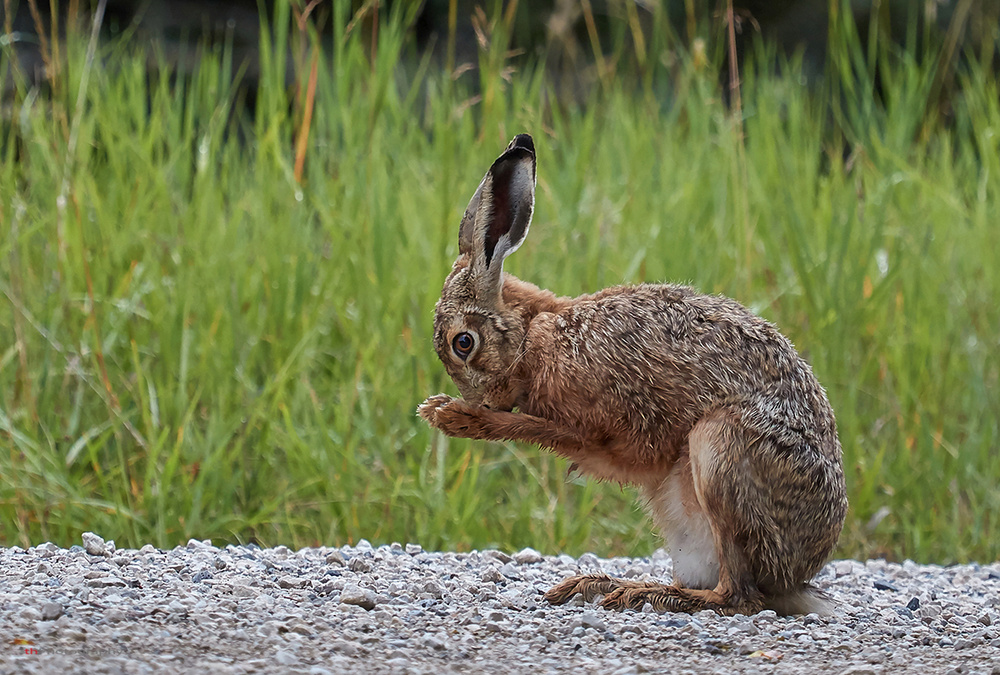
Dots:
pixel 702 405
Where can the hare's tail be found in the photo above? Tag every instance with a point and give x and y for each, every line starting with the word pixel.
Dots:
pixel 807 599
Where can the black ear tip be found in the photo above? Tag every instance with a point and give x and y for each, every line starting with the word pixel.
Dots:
pixel 522 141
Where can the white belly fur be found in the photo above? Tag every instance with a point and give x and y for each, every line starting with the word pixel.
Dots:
pixel 676 511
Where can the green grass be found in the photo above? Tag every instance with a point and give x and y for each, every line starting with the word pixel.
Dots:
pixel 195 344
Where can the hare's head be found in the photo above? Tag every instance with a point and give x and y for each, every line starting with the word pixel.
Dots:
pixel 475 335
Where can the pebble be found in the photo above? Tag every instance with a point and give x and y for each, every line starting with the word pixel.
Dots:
pixel 51 611
pixel 527 556
pixel 354 595
pixel 491 574
pixel 359 565
pixel 510 571
pixel 399 608
pixel 93 544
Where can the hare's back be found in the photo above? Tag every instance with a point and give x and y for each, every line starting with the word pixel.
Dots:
pixel 676 324
pixel 666 354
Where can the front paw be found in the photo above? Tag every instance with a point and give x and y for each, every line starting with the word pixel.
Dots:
pixel 453 416
pixel 429 408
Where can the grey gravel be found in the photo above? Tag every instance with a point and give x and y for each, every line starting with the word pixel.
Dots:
pixel 401 609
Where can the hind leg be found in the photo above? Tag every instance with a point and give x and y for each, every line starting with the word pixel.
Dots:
pixel 708 510
pixel 732 496
pixel 775 510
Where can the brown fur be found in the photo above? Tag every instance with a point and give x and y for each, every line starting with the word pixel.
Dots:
pixel 703 405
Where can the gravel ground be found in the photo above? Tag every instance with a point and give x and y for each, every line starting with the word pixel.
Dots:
pixel 396 609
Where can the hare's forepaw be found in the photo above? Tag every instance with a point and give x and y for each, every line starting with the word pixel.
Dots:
pixel 429 408
pixel 453 416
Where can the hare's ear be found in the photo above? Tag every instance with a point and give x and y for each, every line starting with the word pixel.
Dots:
pixel 497 219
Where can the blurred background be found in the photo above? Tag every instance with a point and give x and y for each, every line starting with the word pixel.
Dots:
pixel 224 225
pixel 560 33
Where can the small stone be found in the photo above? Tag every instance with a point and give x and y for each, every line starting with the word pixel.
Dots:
pixel 335 558
pixel 914 604
pixel 344 647
pixel 706 615
pixel 243 591
pixel 591 620
pixel 745 627
pixel 632 669
pixel 292 582
pixel 433 588
pixel 51 611
pixel 499 555
pixel 93 544
pixel 843 568
pixel 414 549
pixel 434 642
pixel 354 595
pixel 527 556
pixel 491 574
pixel 30 614
pixel 884 585
pixel 873 655
pixel 359 565
pixel 301 629
pixel 905 613
pixel 114 616
pixel 511 572
pixel 929 612
pixel 285 658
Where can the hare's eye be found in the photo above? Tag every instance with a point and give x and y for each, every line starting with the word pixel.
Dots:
pixel 462 345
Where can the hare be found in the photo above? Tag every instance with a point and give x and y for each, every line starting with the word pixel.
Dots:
pixel 702 405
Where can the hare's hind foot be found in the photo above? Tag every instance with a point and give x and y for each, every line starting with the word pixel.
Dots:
pixel 587 585
pixel 664 598
pixel 620 594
